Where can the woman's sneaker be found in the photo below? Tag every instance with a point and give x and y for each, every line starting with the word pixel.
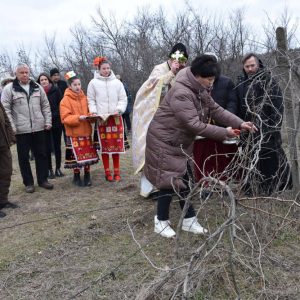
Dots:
pixel 163 228
pixel 192 225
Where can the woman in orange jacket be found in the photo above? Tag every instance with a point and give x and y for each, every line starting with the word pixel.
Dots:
pixel 75 117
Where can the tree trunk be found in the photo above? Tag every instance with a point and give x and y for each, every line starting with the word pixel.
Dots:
pixel 289 105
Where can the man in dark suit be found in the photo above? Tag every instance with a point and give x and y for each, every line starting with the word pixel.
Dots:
pixel 261 101
pixel 62 85
pixel 55 77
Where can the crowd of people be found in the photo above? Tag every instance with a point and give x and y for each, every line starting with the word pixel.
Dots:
pixel 36 113
pixel 180 112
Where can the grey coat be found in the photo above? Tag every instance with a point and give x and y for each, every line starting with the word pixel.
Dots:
pixel 183 115
pixel 26 112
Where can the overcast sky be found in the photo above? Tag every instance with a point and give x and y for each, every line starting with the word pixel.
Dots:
pixel 28 21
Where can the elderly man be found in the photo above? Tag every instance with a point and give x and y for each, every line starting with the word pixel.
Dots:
pixel 28 110
pixel 260 101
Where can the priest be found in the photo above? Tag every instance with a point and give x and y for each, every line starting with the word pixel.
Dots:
pixel 148 99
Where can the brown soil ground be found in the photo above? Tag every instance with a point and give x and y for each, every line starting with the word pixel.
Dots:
pixel 75 243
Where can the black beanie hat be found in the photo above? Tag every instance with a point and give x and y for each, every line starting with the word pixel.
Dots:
pixel 205 66
pixel 54 71
pixel 181 48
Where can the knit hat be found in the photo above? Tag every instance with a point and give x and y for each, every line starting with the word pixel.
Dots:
pixel 54 71
pixel 205 66
pixel 181 48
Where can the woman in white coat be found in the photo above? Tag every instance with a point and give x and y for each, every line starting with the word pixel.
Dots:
pixel 107 99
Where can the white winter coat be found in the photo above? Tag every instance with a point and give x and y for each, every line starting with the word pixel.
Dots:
pixel 106 95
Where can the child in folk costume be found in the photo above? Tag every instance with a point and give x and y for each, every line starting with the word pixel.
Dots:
pixel 74 115
pixel 107 99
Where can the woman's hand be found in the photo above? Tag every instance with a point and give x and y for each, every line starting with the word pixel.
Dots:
pixel 249 126
pixel 231 133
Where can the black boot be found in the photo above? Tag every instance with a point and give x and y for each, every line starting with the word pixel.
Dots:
pixel 51 174
pixel 8 205
pixel 77 180
pixel 126 143
pixel 87 179
pixel 59 173
pixel 31 156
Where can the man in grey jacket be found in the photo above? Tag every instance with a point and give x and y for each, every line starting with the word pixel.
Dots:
pixel 28 110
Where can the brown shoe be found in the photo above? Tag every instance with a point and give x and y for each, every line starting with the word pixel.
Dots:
pixel 29 189
pixel 46 185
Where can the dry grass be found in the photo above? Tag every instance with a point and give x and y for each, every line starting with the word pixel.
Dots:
pixel 72 239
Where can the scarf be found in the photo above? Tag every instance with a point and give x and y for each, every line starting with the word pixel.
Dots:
pixel 47 88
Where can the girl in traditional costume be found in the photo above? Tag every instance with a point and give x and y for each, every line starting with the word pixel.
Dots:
pixel 74 114
pixel 107 99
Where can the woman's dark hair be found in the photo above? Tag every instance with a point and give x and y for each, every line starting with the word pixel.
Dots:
pixel 69 81
pixel 46 75
pixel 205 66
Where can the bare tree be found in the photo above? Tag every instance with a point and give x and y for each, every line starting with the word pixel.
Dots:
pixel 289 103
pixel 50 56
pixel 285 21
pixel 6 64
